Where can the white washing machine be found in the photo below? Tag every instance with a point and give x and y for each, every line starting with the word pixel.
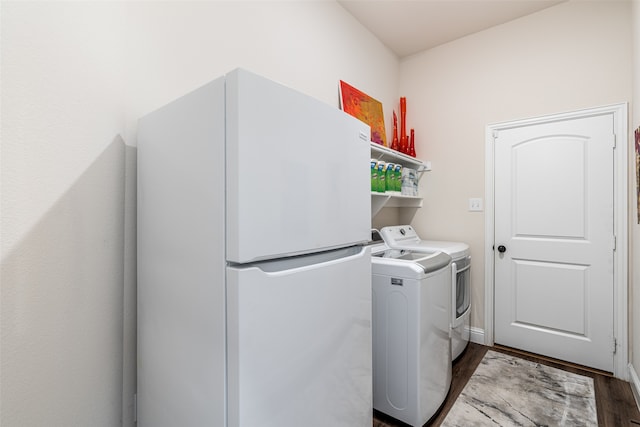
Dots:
pixel 410 327
pixel 405 237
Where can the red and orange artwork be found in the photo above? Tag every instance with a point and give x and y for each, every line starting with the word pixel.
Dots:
pixel 362 106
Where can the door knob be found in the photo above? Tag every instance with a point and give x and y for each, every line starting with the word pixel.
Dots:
pixel 502 249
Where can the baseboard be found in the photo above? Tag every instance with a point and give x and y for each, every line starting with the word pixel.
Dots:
pixel 635 384
pixel 476 335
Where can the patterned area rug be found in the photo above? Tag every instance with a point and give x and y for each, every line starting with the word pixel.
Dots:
pixel 508 391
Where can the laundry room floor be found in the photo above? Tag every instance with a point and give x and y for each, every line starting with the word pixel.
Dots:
pixel 615 404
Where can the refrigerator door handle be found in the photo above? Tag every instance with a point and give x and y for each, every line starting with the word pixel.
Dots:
pixel 297 264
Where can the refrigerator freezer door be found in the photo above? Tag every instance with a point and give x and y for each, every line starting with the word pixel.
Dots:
pixel 297 175
pixel 299 342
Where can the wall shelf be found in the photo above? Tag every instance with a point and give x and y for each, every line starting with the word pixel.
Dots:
pixel 393 199
pixel 386 154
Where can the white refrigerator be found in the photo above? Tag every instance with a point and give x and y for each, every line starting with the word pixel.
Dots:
pixel 254 286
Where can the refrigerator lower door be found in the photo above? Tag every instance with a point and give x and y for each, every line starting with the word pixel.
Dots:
pixel 299 341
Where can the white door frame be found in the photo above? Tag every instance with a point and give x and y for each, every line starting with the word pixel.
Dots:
pixel 620 291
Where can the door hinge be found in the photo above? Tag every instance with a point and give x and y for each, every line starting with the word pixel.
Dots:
pixel 135 407
pixel 615 242
pixel 615 345
pixel 614 141
pixel 495 134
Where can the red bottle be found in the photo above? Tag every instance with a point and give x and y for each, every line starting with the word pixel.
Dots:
pixel 394 140
pixel 412 145
pixel 404 144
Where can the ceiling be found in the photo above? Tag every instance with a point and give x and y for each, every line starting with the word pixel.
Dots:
pixel 411 26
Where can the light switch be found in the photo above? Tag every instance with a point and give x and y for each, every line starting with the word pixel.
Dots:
pixel 475 204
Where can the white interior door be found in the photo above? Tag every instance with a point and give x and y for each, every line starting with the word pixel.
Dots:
pixel 554 239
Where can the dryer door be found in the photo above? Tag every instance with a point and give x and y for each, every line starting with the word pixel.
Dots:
pixel 461 280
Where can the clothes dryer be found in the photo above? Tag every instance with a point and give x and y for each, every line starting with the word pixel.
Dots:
pixel 405 237
pixel 410 327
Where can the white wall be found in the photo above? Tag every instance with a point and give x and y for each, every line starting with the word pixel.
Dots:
pixel 61 214
pixel 174 47
pixel 571 56
pixel 75 78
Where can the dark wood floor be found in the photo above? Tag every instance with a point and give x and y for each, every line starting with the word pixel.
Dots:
pixel 614 399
